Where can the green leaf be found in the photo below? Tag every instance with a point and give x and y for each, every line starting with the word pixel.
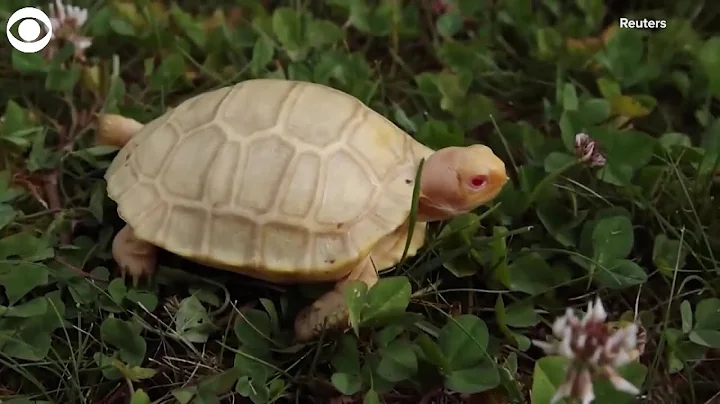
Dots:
pixel 707 314
pixel 262 54
pixel 140 397
pixel 287 24
pixel 117 290
pixel 141 297
pixel 125 338
pixel 32 308
pixel 672 139
pixel 372 378
pixel 17 127
pixel 594 111
pixel 106 365
pixel 621 274
pixel 257 391
pixel 521 314
pixel 122 27
pixel 170 70
pixel 449 24
pixel 252 362
pixel 376 21
pixel 355 295
pixel 189 26
pixel 438 134
pixel 29 62
pixel 221 383
pixel 253 329
pixel 560 221
pixel 347 357
pixel 323 32
pixel 626 152
pixel 473 380
pixel 686 316
pixel 707 338
pixel 433 353
pixel 398 362
pixel 623 55
pixel 386 301
pixel 192 321
pixel 668 255
pixel 457 233
pixel 59 79
pixel 133 373
pixel 529 273
pixel 266 303
pixel 612 238
pixel 7 215
pixel 29 338
pixel 8 192
pixel 30 346
pixel 372 397
pixel 476 110
pixel 570 99
pixel 26 247
pixel 709 60
pixel 549 373
pixel 345 383
pixel 463 341
pixel 558 161
pixel 388 334
pixel 22 277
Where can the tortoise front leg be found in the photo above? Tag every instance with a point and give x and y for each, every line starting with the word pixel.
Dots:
pixel 134 256
pixel 329 310
pixel 116 130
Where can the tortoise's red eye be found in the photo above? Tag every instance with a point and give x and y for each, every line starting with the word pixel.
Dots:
pixel 478 181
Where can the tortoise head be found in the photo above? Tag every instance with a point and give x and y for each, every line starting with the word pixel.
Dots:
pixel 456 180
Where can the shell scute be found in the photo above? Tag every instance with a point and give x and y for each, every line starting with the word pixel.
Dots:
pixel 199 110
pixel 255 106
pixel 302 190
pixel 272 155
pixel 320 118
pixel 190 162
pixel 277 239
pixel 374 141
pixel 140 198
pixel 185 230
pixel 329 248
pixel 158 143
pixel 232 238
pixel 357 195
pixel 220 180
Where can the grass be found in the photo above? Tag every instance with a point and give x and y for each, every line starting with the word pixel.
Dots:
pixel 452 324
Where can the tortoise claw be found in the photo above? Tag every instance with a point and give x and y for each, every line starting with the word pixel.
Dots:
pixel 136 279
pixel 135 257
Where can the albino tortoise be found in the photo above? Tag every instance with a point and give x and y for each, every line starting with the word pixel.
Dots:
pixel 283 181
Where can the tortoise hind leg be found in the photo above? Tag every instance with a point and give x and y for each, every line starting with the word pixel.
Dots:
pixel 115 130
pixel 134 256
pixel 329 310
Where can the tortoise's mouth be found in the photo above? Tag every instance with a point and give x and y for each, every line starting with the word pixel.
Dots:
pixel 429 211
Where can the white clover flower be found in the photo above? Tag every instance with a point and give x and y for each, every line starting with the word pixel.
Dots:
pixel 67 21
pixel 588 151
pixel 594 351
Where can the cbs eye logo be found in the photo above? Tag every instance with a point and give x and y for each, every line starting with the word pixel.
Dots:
pixel 29 30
